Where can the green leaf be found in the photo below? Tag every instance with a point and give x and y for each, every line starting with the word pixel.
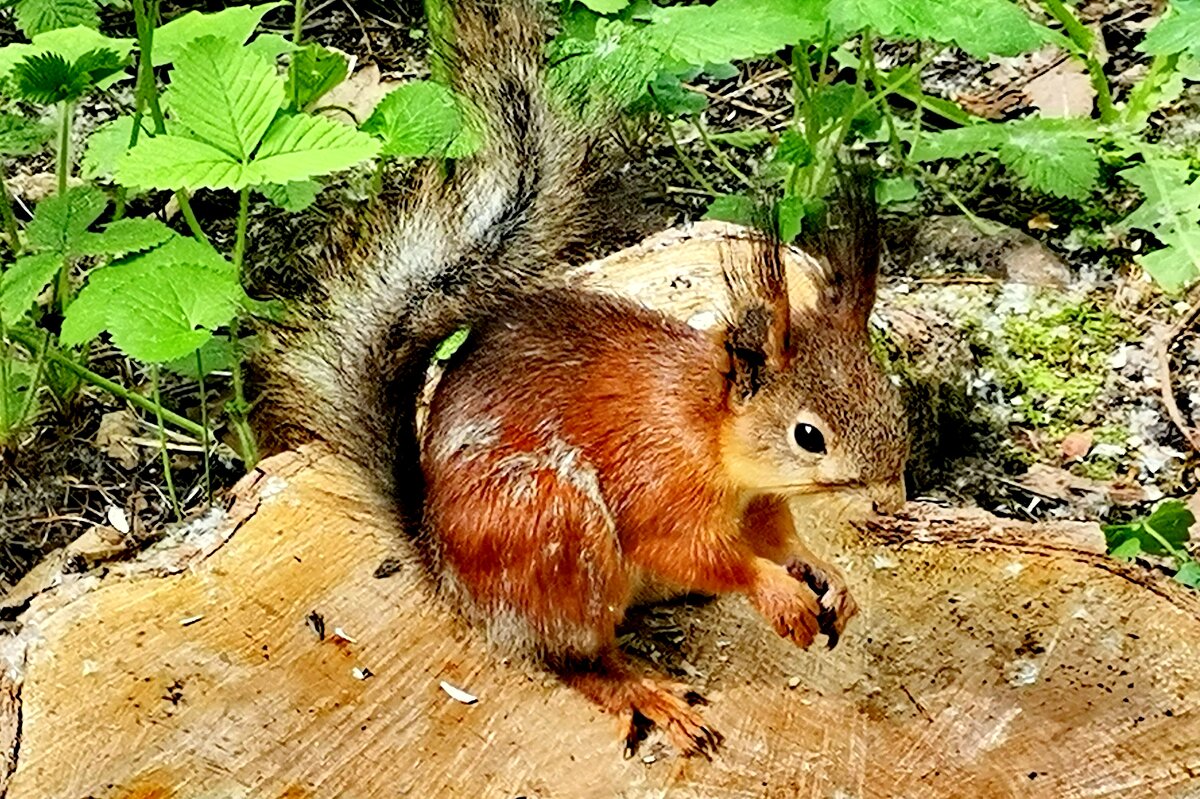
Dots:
pixel 225 94
pixel 981 27
pixel 313 72
pixel 20 135
pixel 451 344
pixel 611 67
pixel 39 16
pixel 1178 31
pixel 294 196
pixel 794 149
pixel 270 46
pixel 742 139
pixel 1170 521
pixel 1177 265
pixel 790 213
pixel 1189 574
pixel 68 43
pixel 890 191
pixel 1128 549
pixel 301 147
pixel 60 221
pixel 17 407
pixel 48 78
pixel 235 24
pixel 736 208
pixel 415 120
pixel 155 310
pixel 216 355
pixel 1172 195
pixel 124 236
pixel 21 284
pixel 605 6
pixel 105 147
pixel 673 99
pixel 1055 156
pixel 732 30
pixel 176 162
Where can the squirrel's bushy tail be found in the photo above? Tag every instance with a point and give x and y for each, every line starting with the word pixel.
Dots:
pixel 348 366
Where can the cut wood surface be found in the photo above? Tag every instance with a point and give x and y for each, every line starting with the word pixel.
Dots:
pixel 991 658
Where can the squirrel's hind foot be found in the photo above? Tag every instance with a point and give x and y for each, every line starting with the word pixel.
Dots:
pixel 639 702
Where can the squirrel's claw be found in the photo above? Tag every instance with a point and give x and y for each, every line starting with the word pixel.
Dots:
pixel 828 583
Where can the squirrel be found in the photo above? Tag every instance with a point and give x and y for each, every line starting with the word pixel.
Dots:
pixel 583 452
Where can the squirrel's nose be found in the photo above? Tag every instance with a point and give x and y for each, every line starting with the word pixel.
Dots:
pixel 888 495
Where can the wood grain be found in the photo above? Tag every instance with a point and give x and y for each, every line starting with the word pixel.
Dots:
pixel 991 659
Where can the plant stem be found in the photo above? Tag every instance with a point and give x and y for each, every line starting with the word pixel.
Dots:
pixel 1180 556
pixel 6 210
pixel 33 342
pixel 441 38
pixel 684 159
pixel 145 14
pixel 238 408
pixel 1137 106
pixel 5 427
pixel 720 156
pixel 204 424
pixel 162 444
pixel 297 22
pixel 1084 45
pixel 64 145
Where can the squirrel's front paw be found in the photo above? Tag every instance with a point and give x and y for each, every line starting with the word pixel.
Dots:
pixel 827 582
pixel 790 605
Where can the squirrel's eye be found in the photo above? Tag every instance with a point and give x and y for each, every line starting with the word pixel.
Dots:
pixel 809 438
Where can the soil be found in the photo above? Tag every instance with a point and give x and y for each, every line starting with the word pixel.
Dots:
pixel 61 482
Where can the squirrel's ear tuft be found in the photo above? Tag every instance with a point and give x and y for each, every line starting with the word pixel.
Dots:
pixel 757 335
pixel 847 246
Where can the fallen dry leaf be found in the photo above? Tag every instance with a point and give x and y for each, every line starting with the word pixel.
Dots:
pixel 1041 221
pixel 1076 445
pixel 98 545
pixel 1063 90
pixel 358 94
pixel 115 437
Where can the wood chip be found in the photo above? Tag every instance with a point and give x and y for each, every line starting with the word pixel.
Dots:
pixel 190 620
pixel 459 694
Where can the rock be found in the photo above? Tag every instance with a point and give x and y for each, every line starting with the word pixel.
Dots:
pixel 1006 254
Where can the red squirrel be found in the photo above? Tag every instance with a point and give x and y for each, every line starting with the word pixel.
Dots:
pixel 583 452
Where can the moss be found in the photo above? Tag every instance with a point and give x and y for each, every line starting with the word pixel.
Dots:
pixel 1054 364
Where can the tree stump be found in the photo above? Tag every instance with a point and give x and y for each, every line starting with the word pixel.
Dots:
pixel 290 646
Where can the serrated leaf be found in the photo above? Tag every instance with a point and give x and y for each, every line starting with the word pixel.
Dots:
pixel 731 30
pixel 294 196
pixel 673 99
pixel 177 162
pixel 610 67
pixel 235 24
pixel 39 16
pixel 49 78
pixel 225 94
pixel 22 282
pixel 301 147
pixel 60 221
pixel 790 213
pixel 154 312
pixel 794 149
pixel 105 147
pixel 417 119
pixel 20 135
pixel 1178 31
pixel 68 43
pixel 313 72
pixel 1064 165
pixel 1177 265
pixel 981 27
pixel 1055 156
pixel 271 46
pixel 1172 195
pixel 605 6
pixel 124 236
